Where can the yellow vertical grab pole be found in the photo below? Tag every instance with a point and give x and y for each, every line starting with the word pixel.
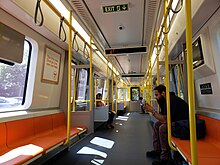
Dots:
pixel 129 93
pixel 91 76
pixel 178 79
pixel 167 79
pixel 95 91
pixel 125 98
pixel 190 83
pixel 112 90
pixel 69 80
pixel 150 81
pixel 148 89
pixel 157 58
pixel 158 69
pixel 107 83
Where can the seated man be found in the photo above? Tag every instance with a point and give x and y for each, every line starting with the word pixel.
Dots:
pixel 99 103
pixel 179 111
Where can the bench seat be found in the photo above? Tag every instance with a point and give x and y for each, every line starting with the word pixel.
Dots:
pixel 208 148
pixel 27 139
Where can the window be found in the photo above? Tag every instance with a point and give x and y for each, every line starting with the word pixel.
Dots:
pixel 73 81
pixel 100 84
pixel 175 76
pixel 135 93
pixel 82 84
pixel 105 91
pixel 122 94
pixel 13 80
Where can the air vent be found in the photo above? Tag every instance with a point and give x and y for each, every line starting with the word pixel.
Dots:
pixel 125 51
pixel 85 16
pixel 152 7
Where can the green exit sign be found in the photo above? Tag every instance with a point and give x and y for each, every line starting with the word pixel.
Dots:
pixel 115 8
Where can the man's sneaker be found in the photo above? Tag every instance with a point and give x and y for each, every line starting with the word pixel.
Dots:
pixel 153 154
pixel 161 162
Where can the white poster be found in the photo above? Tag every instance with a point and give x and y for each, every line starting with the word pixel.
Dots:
pixel 51 66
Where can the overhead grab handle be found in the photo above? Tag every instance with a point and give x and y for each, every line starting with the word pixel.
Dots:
pixel 162 43
pixel 74 39
pixel 62 29
pixel 84 48
pixel 38 7
pixel 177 11
pixel 166 32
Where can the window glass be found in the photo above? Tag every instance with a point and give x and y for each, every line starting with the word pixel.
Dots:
pixel 105 91
pixel 135 93
pixel 82 84
pixel 100 84
pixel 13 80
pixel 173 80
pixel 175 74
pixel 122 94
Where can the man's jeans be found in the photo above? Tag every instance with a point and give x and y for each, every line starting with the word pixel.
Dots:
pixel 160 140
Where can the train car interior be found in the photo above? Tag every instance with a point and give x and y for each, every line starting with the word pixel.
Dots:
pixel 78 78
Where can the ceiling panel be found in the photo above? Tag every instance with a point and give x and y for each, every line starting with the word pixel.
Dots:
pixel 130 63
pixel 131 22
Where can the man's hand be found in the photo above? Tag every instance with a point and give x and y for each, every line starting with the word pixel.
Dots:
pixel 148 108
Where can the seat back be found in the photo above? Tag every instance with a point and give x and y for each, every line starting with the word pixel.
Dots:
pixel 19 131
pixel 43 125
pixel 58 120
pixel 101 114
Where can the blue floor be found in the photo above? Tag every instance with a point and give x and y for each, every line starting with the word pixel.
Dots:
pixel 132 138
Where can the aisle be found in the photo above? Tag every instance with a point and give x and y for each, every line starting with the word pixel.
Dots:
pixel 126 144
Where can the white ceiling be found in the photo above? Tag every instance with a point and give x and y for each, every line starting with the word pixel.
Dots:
pixel 138 24
pixel 131 22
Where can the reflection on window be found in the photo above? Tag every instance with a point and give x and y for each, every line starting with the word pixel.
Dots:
pixel 82 83
pixel 13 81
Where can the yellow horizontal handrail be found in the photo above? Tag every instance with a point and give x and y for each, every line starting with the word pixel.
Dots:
pixel 82 100
pixel 102 100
